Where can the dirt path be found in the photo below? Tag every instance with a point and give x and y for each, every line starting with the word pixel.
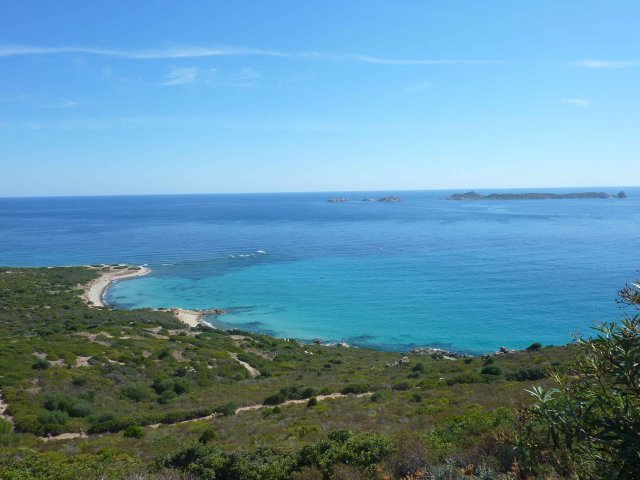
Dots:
pixel 3 408
pixel 254 372
pixel 249 408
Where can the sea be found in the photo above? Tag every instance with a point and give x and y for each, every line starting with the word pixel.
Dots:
pixel 466 276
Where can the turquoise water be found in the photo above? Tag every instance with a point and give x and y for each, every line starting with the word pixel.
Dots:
pixel 467 276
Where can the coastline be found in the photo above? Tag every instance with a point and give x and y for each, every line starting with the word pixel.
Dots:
pixel 94 291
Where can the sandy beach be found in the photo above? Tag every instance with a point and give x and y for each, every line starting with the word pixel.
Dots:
pixel 193 318
pixel 94 290
pixel 94 294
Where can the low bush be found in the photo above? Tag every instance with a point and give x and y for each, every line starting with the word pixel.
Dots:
pixel 534 347
pixel 135 391
pixel 275 399
pixel 208 435
pixel 527 374
pixel 491 370
pixel 41 364
pixel 465 378
pixel 133 431
pixel 355 388
pixel 401 386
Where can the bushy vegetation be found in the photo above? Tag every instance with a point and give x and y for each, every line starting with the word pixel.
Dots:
pixel 588 424
pixel 172 394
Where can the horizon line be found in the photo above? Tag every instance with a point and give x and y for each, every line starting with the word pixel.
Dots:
pixel 310 191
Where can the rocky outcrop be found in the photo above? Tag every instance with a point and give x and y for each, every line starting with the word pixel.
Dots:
pixel 338 200
pixel 439 353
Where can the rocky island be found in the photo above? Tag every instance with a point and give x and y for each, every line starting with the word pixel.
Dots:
pixel 534 196
pixel 391 198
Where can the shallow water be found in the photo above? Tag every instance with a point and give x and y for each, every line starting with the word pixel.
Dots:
pixel 468 276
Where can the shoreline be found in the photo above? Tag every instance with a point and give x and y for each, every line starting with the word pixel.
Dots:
pixel 193 318
pixel 95 290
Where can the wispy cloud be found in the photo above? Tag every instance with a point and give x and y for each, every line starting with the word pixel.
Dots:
pixel 417 87
pixel 604 64
pixel 181 76
pixel 63 104
pixel 577 102
pixel 396 61
pixel 200 52
pixel 245 77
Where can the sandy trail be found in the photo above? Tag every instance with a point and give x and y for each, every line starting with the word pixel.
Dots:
pixel 3 408
pixel 254 372
pixel 249 408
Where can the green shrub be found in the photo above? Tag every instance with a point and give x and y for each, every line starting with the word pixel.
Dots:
pixel 416 398
pixel 53 422
pixel 166 397
pixel 5 427
pixel 227 409
pixel 588 423
pixel 162 385
pixel 275 399
pixel 313 401
pixel 181 385
pixel 491 370
pixel 468 377
pixel 79 381
pixel 534 347
pixel 418 367
pixel 81 408
pixel 133 431
pixel 379 395
pixel 401 386
pixel 41 364
pixel 208 435
pixel 355 388
pixel 527 374
pixel 135 391
pixel 58 401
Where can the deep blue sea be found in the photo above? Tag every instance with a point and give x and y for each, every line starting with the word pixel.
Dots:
pixel 468 276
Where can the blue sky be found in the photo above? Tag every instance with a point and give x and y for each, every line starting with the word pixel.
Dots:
pixel 162 97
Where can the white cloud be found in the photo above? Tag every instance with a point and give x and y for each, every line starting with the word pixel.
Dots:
pixel 199 52
pixel 577 102
pixel 604 64
pixel 181 76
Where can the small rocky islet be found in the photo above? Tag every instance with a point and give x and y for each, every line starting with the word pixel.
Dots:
pixel 389 199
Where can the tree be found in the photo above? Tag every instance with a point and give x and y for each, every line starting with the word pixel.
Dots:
pixel 589 424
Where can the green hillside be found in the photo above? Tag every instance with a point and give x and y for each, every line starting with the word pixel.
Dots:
pixel 137 394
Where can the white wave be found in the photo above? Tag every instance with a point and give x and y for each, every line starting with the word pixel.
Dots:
pixel 261 252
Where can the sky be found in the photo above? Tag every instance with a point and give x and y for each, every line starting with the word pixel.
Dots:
pixel 107 97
